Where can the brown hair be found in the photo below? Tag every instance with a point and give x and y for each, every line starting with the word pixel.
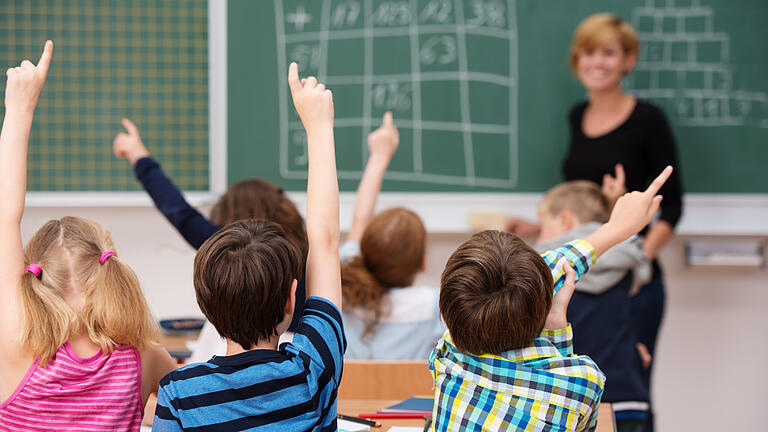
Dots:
pixel 495 293
pixel 243 276
pixel 391 253
pixel 114 310
pixel 260 199
pixel 583 198
pixel 598 29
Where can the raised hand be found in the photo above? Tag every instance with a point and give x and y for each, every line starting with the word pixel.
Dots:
pixel 26 81
pixel 382 144
pixel 312 100
pixel 630 214
pixel 384 140
pixel 634 210
pixel 614 187
pixel 129 145
pixel 557 313
pixel 315 107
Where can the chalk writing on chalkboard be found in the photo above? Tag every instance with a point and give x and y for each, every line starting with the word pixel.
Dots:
pixel 685 61
pixel 409 57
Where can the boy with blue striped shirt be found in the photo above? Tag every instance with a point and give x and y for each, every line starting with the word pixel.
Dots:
pixel 245 281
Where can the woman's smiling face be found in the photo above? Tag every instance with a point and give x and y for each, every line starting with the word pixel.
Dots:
pixel 603 67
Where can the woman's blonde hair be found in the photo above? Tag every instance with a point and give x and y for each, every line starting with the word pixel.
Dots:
pixel 391 254
pixel 114 311
pixel 597 29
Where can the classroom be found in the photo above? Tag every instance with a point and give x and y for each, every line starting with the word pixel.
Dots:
pixel 427 138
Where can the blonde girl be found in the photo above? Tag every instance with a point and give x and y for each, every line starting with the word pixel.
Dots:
pixel 78 348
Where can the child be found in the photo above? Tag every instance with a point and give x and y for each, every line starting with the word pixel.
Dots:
pixel 254 198
pixel 245 281
pixel 506 361
pixel 600 311
pixel 78 348
pixel 386 318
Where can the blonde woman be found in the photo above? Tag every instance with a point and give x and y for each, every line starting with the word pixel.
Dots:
pixel 620 142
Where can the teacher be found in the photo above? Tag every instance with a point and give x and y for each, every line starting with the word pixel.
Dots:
pixel 613 127
pixel 616 139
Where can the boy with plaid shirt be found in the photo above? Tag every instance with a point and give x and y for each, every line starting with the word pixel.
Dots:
pixel 506 361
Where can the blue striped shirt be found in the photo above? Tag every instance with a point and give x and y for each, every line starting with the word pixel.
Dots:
pixel 293 388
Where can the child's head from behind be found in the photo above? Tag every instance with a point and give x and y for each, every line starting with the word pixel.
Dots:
pixel 245 279
pixel 570 204
pixel 392 251
pixel 260 199
pixel 80 288
pixel 495 293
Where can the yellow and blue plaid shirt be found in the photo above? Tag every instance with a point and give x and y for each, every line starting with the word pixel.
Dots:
pixel 544 387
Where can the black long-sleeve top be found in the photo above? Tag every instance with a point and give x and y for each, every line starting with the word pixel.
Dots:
pixel 643 144
pixel 192 225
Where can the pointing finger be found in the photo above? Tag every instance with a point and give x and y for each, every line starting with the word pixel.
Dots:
pixel 45 58
pixel 659 181
pixel 293 77
pixel 654 206
pixel 130 127
pixel 387 119
pixel 620 177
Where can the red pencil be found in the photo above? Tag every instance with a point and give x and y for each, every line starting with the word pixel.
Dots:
pixel 395 415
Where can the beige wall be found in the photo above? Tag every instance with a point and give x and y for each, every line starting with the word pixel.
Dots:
pixel 709 371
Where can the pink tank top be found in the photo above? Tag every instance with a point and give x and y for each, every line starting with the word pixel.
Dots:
pixel 99 393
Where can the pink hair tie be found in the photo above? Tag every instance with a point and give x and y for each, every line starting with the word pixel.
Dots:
pixel 35 270
pixel 105 256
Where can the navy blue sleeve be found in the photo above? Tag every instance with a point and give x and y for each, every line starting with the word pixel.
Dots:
pixel 192 225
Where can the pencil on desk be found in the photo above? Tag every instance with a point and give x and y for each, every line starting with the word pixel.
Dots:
pixel 358 420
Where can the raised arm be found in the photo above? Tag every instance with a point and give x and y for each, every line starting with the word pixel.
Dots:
pixel 315 107
pixel 21 93
pixel 192 225
pixel 382 144
pixel 630 214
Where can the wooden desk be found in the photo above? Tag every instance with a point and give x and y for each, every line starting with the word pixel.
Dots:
pixel 353 407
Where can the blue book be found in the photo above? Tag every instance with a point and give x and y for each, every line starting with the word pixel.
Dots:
pixel 414 404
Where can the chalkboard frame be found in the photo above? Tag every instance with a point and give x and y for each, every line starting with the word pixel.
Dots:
pixel 217 145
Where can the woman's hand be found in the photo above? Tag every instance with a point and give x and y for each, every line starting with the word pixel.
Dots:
pixel 614 187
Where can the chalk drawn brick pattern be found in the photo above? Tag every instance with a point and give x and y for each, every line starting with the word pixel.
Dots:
pixel 684 63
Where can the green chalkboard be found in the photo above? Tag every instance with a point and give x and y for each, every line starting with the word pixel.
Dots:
pixel 480 89
pixel 143 59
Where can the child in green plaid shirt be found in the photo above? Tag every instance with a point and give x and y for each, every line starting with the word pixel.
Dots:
pixel 506 361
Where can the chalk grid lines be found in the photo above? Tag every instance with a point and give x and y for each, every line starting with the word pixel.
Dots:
pixel 435 34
